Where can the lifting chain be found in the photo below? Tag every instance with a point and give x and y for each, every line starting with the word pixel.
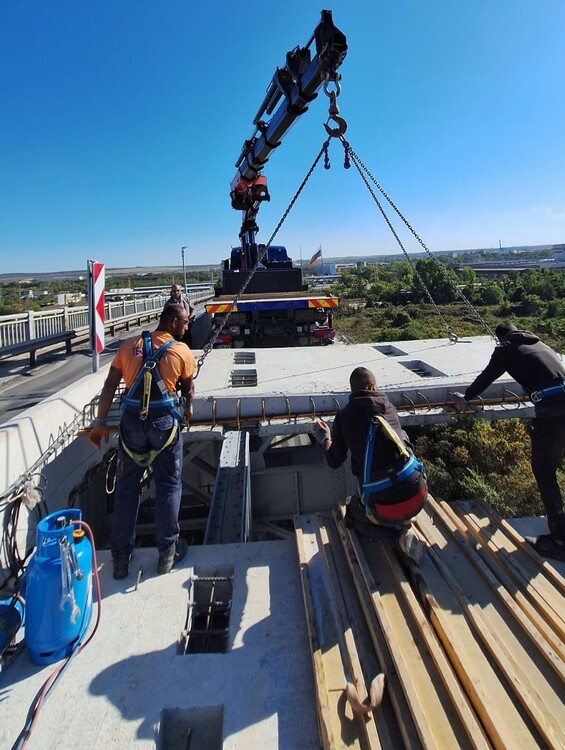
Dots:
pixel 209 345
pixel 363 170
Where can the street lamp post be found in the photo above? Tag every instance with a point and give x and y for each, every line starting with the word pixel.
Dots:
pixel 183 248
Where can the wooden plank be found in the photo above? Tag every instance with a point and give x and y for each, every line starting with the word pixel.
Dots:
pixel 550 645
pixel 364 585
pixel 475 732
pixel 351 641
pixel 435 718
pixel 526 572
pixel 553 575
pixel 503 719
pixel 524 668
pixel 326 634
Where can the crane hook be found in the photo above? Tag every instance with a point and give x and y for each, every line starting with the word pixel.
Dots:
pixel 341 126
pixel 334 115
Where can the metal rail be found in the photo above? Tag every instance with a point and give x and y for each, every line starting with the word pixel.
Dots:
pixel 25 327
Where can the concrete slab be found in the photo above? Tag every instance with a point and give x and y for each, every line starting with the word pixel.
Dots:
pixel 114 692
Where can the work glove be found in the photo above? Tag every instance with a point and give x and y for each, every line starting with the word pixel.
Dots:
pixel 98 433
pixel 459 399
pixel 321 431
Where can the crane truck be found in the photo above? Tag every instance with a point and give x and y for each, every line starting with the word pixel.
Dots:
pixel 262 299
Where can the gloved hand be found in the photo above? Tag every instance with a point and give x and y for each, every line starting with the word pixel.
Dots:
pixel 98 433
pixel 321 431
pixel 459 398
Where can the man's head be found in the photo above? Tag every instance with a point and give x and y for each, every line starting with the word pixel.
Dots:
pixel 503 329
pixel 173 320
pixel 176 291
pixel 362 379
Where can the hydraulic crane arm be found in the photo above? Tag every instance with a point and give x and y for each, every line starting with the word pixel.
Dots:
pixel 288 96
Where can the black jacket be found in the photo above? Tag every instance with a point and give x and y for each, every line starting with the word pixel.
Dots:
pixel 350 429
pixel 531 363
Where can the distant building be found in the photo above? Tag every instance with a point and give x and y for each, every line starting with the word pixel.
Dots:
pixel 67 298
pixel 559 256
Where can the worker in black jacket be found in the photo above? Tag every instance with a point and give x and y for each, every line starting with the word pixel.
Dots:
pixel 349 434
pixel 540 372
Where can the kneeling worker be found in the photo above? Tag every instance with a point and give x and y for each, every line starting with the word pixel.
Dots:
pixel 151 421
pixel 369 429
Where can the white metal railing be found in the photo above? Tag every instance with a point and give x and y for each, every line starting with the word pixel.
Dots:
pixel 22 327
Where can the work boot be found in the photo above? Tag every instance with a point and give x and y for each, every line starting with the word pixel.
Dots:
pixel 121 564
pixel 546 546
pixel 177 553
pixel 411 545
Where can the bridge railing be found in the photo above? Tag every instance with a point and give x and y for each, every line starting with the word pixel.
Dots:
pixel 25 327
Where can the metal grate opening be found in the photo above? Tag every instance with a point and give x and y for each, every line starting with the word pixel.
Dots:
pixel 208 615
pixel 244 358
pixel 243 378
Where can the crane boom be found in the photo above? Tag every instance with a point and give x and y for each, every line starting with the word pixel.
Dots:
pixel 288 96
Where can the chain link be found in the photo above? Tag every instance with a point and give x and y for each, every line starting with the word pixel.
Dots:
pixel 361 167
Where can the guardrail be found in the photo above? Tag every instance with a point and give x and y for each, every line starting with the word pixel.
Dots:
pixel 26 328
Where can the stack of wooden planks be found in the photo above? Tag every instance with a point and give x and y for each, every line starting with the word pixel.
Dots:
pixel 471 641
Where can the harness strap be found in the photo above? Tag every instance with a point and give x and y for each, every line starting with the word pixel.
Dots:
pixel 377 422
pixel 146 459
pixel 541 393
pixel 149 373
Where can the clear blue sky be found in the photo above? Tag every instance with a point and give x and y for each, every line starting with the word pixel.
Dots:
pixel 121 120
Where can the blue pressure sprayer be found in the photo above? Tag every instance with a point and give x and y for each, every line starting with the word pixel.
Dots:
pixel 59 588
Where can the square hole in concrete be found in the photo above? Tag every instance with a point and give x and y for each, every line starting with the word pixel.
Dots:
pixel 389 350
pixel 191 728
pixel 422 369
pixel 209 606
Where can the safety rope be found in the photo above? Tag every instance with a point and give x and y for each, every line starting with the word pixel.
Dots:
pixel 209 345
pixel 362 168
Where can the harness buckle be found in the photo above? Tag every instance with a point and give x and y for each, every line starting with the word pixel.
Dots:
pixel 536 396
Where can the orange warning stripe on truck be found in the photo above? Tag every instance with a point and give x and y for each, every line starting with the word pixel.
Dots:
pixel 221 308
pixel 324 302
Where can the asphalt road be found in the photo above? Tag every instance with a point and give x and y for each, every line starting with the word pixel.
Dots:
pixel 21 387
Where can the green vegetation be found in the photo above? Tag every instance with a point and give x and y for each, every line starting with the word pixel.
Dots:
pixel 470 459
pixel 13 295
pixel 388 302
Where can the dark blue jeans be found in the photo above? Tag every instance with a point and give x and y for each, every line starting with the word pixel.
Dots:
pixel 142 436
pixel 548 442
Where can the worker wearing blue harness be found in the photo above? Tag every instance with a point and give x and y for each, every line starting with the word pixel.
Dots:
pixel 152 417
pixel 392 483
pixel 540 372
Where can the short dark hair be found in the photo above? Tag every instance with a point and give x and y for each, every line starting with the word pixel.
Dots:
pixel 361 379
pixel 172 311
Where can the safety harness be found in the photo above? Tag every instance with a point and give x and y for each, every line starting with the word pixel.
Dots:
pixel 397 494
pixel 147 383
pixel 550 390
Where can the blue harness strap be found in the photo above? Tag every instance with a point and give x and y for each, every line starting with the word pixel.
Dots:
pixel 394 477
pixel 541 393
pixel 149 373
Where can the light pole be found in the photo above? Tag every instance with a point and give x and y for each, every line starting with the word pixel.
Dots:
pixel 183 248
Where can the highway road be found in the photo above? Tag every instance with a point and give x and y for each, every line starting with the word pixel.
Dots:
pixel 22 387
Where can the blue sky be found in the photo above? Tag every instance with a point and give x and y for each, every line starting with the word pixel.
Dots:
pixel 121 120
